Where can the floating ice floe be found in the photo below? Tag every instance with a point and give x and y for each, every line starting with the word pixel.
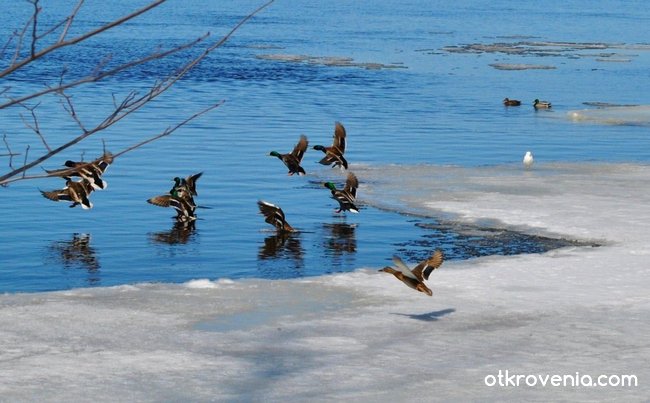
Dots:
pixel 331 61
pixel 614 115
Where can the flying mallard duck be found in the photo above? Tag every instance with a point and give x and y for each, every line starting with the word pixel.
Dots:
pixel 189 184
pixel 537 104
pixel 274 216
pixel 183 205
pixel 334 154
pixel 511 102
pixel 347 196
pixel 92 170
pixel 76 192
pixel 415 278
pixel 292 160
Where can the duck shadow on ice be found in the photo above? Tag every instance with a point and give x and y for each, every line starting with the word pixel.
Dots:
pixel 429 316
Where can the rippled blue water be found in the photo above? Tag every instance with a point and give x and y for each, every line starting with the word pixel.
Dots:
pixel 433 106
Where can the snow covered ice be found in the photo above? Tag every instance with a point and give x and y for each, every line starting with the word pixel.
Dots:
pixel 363 336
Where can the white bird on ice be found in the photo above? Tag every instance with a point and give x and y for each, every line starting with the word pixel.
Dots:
pixel 528 159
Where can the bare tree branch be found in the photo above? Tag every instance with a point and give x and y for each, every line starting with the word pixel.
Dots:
pixel 20 35
pixel 69 107
pixel 164 133
pixel 37 10
pixel 15 65
pixel 25 161
pixel 35 126
pixel 170 129
pixel 69 21
pixel 10 153
pixel 100 76
pixel 131 103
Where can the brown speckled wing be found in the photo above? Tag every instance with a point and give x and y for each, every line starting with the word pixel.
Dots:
pixel 339 137
pixel 424 269
pixel 300 148
pixel 161 201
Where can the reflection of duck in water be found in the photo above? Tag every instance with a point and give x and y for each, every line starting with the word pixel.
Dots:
pixel 180 233
pixel 281 245
pixel 341 238
pixel 415 278
pixel 78 251
pixel 283 240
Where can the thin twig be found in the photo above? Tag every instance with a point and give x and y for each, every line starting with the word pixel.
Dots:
pixel 170 129
pixel 25 161
pixel 20 35
pixel 37 10
pixel 11 153
pixel 36 127
pixel 51 29
pixel 70 19
pixel 6 45
pixel 71 111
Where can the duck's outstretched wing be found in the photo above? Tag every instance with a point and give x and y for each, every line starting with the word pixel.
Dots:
pixel 300 148
pixel 273 215
pixel 424 269
pixel 57 195
pixel 403 268
pixel 334 158
pixel 161 201
pixel 190 181
pixel 339 138
pixel 351 185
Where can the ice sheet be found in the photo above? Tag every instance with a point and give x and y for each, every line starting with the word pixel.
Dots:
pixel 364 336
pixel 614 115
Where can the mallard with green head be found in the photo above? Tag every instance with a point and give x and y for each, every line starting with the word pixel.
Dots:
pixel 511 102
pixel 415 278
pixel 180 201
pixel 274 216
pixel 92 170
pixel 189 184
pixel 292 160
pixel 76 192
pixel 347 195
pixel 334 154
pixel 537 104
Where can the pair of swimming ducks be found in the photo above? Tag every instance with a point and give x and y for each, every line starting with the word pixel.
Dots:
pixel 537 104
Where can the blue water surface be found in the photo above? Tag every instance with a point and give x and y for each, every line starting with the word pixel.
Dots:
pixel 424 104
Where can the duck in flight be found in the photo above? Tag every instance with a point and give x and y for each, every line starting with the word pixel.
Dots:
pixel 415 278
pixel 334 153
pixel 292 160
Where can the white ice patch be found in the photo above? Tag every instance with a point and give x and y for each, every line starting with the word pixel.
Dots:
pixel 362 336
pixel 205 283
pixel 613 115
